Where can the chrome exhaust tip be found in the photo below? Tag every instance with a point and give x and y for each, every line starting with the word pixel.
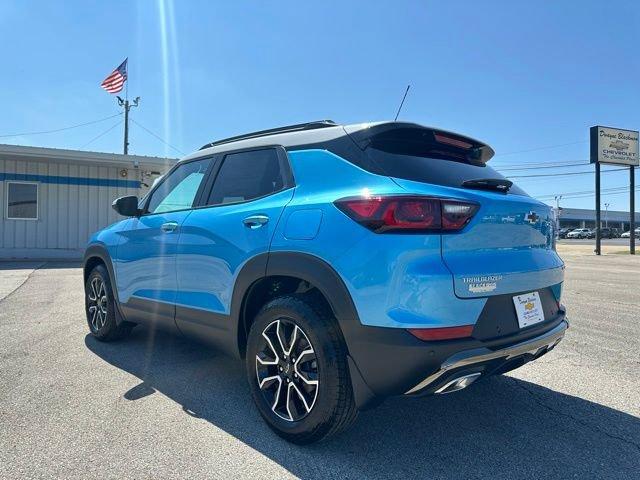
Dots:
pixel 458 383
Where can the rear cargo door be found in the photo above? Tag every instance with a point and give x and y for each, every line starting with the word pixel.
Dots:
pixel 508 246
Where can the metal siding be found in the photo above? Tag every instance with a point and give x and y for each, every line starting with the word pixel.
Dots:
pixel 9 230
pixel 68 214
pixel 83 208
pixel 114 192
pixel 62 214
pixel 42 207
pixel 72 208
pixel 30 228
pixel 52 208
pixel 2 206
pixel 92 221
pixel 103 198
pixel 19 227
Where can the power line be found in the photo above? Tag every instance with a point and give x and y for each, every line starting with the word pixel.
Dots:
pixel 585 193
pixel 536 149
pixel 102 134
pixel 25 134
pixel 575 164
pixel 553 162
pixel 608 194
pixel 622 187
pixel 591 194
pixel 564 174
pixel 158 137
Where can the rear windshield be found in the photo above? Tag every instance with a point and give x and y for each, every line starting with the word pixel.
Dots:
pixel 446 172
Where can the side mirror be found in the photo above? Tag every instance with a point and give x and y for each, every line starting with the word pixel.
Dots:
pixel 126 206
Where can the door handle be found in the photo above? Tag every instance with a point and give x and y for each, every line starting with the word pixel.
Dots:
pixel 255 221
pixel 169 227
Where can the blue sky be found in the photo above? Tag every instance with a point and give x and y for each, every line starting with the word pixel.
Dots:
pixel 518 75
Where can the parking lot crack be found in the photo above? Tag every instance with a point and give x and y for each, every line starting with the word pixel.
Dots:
pixel 26 279
pixel 556 411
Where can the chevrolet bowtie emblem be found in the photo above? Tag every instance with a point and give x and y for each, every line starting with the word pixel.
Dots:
pixel 532 217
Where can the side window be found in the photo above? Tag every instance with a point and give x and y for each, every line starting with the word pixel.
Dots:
pixel 178 190
pixel 247 175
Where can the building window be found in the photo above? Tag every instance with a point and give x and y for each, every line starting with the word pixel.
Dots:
pixel 22 200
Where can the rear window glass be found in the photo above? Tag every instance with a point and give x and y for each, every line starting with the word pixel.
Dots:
pixel 446 172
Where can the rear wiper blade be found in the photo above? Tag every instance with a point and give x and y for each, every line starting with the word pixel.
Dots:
pixel 499 184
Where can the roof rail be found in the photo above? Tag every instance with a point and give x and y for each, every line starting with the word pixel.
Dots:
pixel 263 133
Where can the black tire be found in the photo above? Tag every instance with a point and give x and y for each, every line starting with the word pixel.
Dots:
pixel 333 408
pixel 100 307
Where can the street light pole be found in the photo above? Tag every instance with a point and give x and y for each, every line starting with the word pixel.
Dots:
pixel 606 210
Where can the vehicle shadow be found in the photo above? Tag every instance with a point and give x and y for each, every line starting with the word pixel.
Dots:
pixel 499 428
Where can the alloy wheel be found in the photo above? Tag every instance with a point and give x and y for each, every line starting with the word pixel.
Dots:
pixel 287 370
pixel 97 301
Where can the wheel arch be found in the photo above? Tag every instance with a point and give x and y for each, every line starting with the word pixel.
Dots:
pixel 95 255
pixel 318 274
pixel 291 267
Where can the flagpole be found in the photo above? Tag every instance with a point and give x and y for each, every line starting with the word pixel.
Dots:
pixel 126 110
pixel 126 86
pixel 114 83
pixel 127 106
pixel 126 126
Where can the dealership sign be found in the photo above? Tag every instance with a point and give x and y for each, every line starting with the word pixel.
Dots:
pixel 613 145
pixel 618 147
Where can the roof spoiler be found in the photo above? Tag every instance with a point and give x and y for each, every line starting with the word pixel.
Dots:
pixel 417 139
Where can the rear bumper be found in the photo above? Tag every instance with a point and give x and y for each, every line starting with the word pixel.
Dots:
pixel 388 361
pixel 472 364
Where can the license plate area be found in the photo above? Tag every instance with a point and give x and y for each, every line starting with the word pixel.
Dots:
pixel 528 309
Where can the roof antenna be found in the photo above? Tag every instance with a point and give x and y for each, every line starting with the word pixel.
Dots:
pixel 402 102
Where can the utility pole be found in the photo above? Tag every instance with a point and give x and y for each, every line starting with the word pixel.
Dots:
pixel 557 199
pixel 127 106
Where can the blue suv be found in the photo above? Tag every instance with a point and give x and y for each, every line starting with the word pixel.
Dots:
pixel 344 264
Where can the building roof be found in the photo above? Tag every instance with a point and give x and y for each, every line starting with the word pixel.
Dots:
pixel 44 153
pixel 590 215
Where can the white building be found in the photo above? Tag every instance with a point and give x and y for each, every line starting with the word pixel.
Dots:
pixel 53 199
pixel 582 218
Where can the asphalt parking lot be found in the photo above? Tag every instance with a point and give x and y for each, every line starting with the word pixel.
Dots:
pixel 154 406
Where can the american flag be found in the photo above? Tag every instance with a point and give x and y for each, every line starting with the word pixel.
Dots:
pixel 115 81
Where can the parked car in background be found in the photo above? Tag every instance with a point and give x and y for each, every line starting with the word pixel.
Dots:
pixel 605 232
pixel 562 233
pixel 608 232
pixel 579 233
pixel 628 234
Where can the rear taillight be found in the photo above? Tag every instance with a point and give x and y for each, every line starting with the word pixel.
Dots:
pixel 444 333
pixel 405 213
